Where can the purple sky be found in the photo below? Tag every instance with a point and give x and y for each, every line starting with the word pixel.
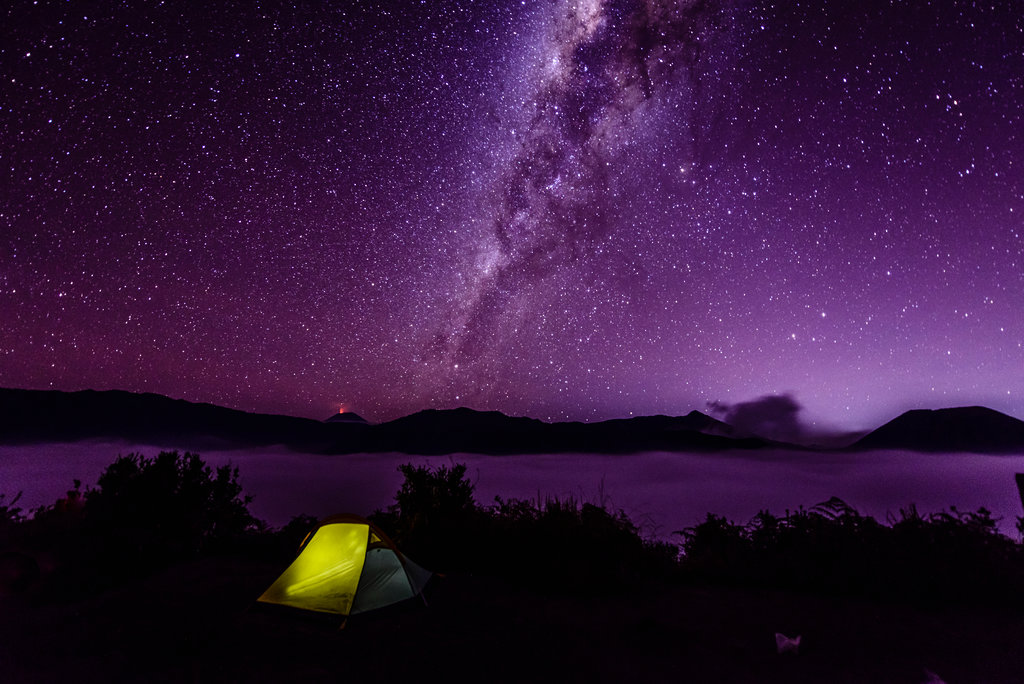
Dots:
pixel 570 210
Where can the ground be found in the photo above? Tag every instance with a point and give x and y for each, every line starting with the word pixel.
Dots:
pixel 198 622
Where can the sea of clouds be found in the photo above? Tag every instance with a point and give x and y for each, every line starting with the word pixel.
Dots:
pixel 662 492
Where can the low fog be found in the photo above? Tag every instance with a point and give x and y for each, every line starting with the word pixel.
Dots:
pixel 661 492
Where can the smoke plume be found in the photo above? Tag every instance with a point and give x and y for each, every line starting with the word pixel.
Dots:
pixel 771 416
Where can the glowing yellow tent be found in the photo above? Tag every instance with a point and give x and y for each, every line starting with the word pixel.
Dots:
pixel 346 566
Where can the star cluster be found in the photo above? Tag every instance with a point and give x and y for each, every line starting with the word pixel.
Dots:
pixel 574 209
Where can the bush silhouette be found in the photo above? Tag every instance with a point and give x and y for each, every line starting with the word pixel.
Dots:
pixel 283 544
pixel 168 507
pixel 435 517
pixel 561 545
pixel 10 512
pixel 947 557
pixel 10 515
pixel 147 513
pixel 568 545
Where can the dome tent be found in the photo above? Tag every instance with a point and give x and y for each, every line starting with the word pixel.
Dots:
pixel 346 566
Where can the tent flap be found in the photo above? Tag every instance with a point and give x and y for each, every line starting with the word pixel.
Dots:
pixel 383 582
pixel 326 574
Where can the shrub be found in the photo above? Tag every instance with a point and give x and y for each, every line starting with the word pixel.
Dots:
pixel 946 557
pixel 716 549
pixel 10 513
pixel 154 511
pixel 435 517
pixel 284 543
pixel 10 517
pixel 560 545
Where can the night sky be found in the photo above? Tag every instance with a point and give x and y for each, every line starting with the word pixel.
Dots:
pixel 562 209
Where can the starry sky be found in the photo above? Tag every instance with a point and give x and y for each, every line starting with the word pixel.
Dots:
pixel 568 209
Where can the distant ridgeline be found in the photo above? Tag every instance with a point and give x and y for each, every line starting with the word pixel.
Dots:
pixel 33 416
pixel 971 428
pixel 52 416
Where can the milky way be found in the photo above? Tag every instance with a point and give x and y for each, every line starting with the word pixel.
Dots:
pixel 601 65
pixel 566 209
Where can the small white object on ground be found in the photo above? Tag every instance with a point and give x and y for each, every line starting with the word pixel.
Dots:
pixel 783 644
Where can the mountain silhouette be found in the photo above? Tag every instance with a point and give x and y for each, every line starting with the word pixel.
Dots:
pixel 453 430
pixel 47 416
pixel 53 416
pixel 970 428
pixel 347 417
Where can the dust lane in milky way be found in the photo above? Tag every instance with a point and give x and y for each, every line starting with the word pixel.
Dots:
pixel 594 87
pixel 572 210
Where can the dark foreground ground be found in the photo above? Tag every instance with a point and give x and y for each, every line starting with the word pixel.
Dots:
pixel 198 623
